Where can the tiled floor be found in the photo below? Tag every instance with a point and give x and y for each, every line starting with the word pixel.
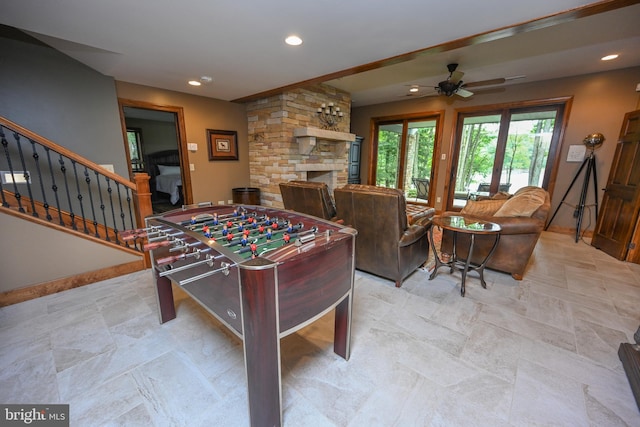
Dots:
pixel 541 352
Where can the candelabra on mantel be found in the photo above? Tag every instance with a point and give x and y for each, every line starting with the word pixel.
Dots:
pixel 330 116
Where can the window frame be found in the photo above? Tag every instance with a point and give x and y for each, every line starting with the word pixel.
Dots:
pixel 404 120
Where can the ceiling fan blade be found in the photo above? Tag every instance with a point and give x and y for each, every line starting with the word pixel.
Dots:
pixel 464 93
pixel 485 82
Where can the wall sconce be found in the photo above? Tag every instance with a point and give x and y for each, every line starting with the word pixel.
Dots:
pixel 330 116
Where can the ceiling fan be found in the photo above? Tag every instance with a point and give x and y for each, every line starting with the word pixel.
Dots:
pixel 455 86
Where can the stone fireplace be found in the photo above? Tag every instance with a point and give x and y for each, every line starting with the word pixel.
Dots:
pixel 329 177
pixel 286 142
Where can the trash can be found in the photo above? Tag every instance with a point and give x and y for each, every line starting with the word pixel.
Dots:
pixel 246 195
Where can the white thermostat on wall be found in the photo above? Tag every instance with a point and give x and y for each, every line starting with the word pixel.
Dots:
pixel 576 153
pixel 192 146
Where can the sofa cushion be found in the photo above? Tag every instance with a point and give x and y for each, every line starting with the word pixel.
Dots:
pixel 523 203
pixel 482 208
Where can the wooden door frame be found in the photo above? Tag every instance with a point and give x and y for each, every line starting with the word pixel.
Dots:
pixel 181 136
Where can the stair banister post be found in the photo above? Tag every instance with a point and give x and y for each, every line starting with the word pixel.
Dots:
pixel 143 202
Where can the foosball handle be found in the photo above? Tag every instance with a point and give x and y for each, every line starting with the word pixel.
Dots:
pixel 155 245
pixel 133 234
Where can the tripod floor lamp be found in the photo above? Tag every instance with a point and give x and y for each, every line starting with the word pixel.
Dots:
pixel 592 142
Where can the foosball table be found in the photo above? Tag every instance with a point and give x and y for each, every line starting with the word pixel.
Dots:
pixel 264 273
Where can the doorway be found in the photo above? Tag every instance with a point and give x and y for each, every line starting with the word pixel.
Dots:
pixel 155 144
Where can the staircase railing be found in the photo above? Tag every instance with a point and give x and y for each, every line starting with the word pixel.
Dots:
pixel 48 182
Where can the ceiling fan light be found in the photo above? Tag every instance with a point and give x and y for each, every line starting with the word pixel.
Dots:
pixel 448 88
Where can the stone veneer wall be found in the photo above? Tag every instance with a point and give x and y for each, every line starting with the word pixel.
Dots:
pixel 274 156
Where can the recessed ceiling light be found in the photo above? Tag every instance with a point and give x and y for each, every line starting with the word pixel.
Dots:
pixel 414 89
pixel 609 57
pixel 293 40
pixel 204 80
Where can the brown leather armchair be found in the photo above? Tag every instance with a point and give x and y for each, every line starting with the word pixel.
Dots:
pixel 518 236
pixel 386 245
pixel 311 198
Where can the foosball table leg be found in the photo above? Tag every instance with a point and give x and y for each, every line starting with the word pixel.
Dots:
pixel 262 346
pixel 164 294
pixel 342 329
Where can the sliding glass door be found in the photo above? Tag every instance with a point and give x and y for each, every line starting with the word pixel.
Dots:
pixel 504 151
pixel 405 151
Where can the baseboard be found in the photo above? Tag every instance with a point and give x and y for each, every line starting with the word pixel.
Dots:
pixel 47 288
pixel 570 231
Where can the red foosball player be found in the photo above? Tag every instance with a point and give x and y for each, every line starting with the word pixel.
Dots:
pixel 229 237
pixel 286 238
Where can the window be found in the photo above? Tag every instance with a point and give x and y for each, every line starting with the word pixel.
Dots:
pixel 134 139
pixel 504 150
pixel 405 149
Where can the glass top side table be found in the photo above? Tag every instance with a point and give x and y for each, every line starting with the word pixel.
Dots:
pixel 466 225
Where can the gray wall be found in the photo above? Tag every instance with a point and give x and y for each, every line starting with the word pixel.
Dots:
pixel 60 99
pixel 75 107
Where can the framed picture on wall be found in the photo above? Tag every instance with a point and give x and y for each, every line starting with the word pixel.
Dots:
pixel 222 144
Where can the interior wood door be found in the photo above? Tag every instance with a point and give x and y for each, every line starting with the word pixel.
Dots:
pixel 621 202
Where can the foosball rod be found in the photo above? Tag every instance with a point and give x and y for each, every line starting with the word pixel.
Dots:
pixel 211 223
pixel 174 258
pixel 258 221
pixel 164 236
pixel 224 268
pixel 208 260
pixel 293 236
pixel 277 231
pixel 196 221
pixel 140 232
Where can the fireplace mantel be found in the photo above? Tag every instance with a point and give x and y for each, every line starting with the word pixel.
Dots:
pixel 308 137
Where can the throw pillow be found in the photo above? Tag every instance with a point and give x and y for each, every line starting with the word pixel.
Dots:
pixel 482 208
pixel 524 203
pixel 501 195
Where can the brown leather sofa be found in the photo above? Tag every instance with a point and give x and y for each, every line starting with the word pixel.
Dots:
pixel 311 198
pixel 518 237
pixel 386 244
